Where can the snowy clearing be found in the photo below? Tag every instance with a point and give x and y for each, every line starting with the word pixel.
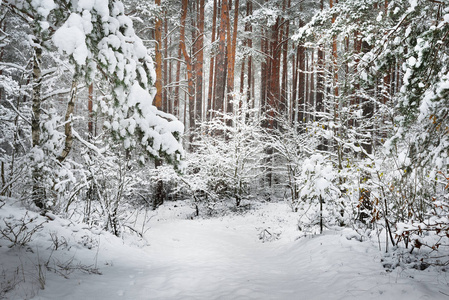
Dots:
pixel 223 258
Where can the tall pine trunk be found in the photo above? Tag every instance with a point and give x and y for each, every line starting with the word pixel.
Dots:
pixel 199 62
pixel 248 29
pixel 232 44
pixel 220 75
pixel 210 93
pixel 159 193
pixel 188 60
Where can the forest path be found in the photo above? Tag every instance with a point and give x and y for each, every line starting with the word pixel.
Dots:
pixel 223 258
pixel 211 259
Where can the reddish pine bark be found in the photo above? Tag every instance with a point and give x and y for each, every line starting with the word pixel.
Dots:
pixel 285 40
pixel 264 71
pixel 158 37
pixel 177 79
pixel 301 79
pixel 199 62
pixel 274 82
pixel 220 69
pixel 320 75
pixel 191 88
pixel 248 29
pixel 210 96
pixel 231 57
pixel 165 104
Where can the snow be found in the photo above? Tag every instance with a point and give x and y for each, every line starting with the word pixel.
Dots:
pixel 43 7
pixel 252 255
pixel 71 37
pixel 411 61
pixel 413 4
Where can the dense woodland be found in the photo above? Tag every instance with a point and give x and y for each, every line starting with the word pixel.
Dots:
pixel 339 108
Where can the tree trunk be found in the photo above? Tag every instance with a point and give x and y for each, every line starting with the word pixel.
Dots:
pixel 264 72
pixel 90 101
pixel 169 81
pixel 294 105
pixel 199 62
pixel 301 90
pixel 231 58
pixel 188 60
pixel 248 29
pixel 242 76
pixel 220 69
pixel 193 61
pixel 158 197
pixel 274 103
pixel 285 40
pixel 158 62
pixel 176 99
pixel 334 55
pixel 210 93
pixel 165 93
pixel 38 192
pixel 321 214
pixel 68 122
pixel 320 75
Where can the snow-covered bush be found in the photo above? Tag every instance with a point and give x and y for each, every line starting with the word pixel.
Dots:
pixel 432 232
pixel 163 179
pixel 19 231
pixel 228 155
pixel 291 146
pixel 319 193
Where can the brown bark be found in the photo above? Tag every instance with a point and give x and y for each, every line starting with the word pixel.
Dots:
pixel 334 53
pixel 232 44
pixel 334 64
pixel 312 81
pixel 220 69
pixel 274 102
pixel 200 61
pixel 294 103
pixel 306 82
pixel 354 98
pixel 320 75
pixel 242 75
pixel 301 89
pixel 191 89
pixel 158 37
pixel 176 101
pixel 264 72
pixel 169 82
pixel 165 104
pixel 193 61
pixel 248 29
pixel 210 95
pixel 285 40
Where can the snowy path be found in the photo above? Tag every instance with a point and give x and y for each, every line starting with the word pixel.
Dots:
pixel 224 259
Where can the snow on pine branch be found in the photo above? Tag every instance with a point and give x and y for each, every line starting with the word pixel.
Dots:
pixel 99 36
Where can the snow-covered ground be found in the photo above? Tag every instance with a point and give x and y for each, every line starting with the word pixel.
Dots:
pixel 252 255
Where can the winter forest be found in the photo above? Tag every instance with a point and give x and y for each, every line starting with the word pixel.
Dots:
pixel 224 149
